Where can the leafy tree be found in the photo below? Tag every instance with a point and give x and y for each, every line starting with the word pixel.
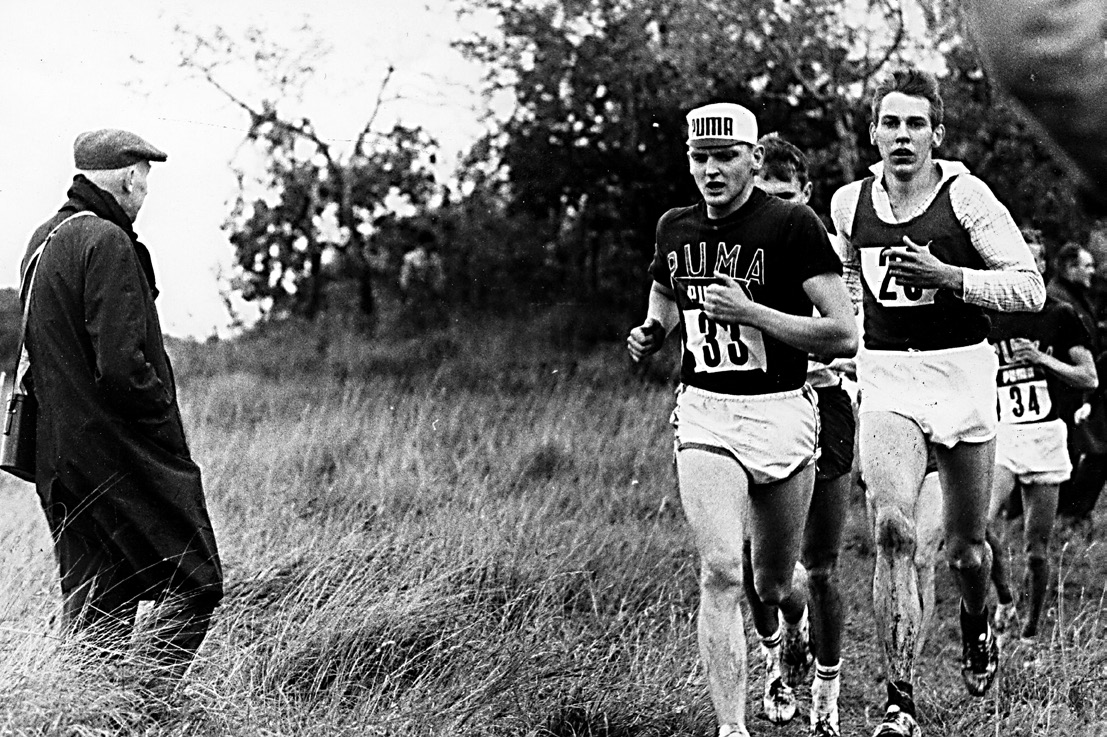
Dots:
pixel 594 151
pixel 315 200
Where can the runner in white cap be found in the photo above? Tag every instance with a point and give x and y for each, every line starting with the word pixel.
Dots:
pixel 740 272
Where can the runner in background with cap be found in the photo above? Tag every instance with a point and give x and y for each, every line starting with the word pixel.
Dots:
pixel 740 272
pixel 932 247
pixel 815 604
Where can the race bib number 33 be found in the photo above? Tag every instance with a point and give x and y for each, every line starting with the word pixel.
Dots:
pixel 716 347
pixel 888 292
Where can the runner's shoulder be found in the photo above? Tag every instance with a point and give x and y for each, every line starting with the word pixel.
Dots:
pixel 677 214
pixel 675 218
pixel 843 204
pixel 967 185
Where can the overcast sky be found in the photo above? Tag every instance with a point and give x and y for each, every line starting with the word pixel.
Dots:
pixel 67 67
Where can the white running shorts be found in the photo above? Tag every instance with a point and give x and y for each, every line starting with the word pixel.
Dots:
pixel 1035 452
pixel 772 436
pixel 950 393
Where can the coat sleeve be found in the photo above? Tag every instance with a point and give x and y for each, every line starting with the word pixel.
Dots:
pixel 117 303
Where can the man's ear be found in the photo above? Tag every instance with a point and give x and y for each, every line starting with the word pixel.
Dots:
pixel 128 182
pixel 939 135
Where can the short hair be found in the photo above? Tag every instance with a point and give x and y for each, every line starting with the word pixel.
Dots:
pixel 913 82
pixel 1068 255
pixel 782 160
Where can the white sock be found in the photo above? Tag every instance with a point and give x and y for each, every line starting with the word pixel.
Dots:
pixel 770 648
pixel 824 690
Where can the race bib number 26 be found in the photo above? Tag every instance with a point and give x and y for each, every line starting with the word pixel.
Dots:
pixel 716 347
pixel 889 292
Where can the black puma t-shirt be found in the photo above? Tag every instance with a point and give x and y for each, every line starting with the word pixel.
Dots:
pixel 768 245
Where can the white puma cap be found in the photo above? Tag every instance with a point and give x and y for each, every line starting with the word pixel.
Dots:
pixel 721 124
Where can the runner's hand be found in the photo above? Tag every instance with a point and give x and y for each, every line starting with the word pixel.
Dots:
pixel 1026 351
pixel 913 265
pixel 843 366
pixel 646 339
pixel 1082 414
pixel 727 301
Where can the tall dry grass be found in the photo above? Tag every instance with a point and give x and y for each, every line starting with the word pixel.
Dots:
pixel 470 533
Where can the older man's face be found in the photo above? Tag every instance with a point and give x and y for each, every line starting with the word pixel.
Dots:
pixel 135 193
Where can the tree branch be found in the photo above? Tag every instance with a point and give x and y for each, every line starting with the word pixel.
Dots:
pixel 376 109
pixel 901 31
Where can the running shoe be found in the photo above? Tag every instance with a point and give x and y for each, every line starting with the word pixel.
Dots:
pixel 826 725
pixel 779 701
pixel 897 723
pixel 979 662
pixel 796 657
pixel 733 730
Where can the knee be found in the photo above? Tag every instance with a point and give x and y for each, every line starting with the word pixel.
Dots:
pixel 772 589
pixel 720 573
pixel 894 532
pixel 964 554
pixel 822 569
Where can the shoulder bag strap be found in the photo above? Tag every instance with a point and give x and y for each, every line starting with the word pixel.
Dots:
pixel 23 362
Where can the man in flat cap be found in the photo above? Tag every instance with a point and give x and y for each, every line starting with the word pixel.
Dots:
pixel 122 496
pixel 753 285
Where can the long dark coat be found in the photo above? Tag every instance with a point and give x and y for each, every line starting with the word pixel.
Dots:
pixel 114 472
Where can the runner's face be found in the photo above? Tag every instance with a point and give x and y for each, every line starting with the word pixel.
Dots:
pixel 790 189
pixel 1082 269
pixel 724 176
pixel 903 134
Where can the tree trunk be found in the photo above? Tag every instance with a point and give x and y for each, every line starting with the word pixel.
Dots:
pixel 366 301
pixel 315 282
pixel 848 155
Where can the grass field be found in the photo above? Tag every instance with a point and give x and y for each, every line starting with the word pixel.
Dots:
pixel 474 533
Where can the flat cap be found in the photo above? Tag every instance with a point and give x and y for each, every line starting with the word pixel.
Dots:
pixel 111 148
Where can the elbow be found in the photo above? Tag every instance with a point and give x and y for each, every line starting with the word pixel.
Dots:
pixel 1039 294
pixel 845 343
pixel 1091 382
pixel 849 346
pixel 1035 297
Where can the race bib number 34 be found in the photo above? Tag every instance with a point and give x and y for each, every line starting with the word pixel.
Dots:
pixel 888 292
pixel 715 347
pixel 1026 401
